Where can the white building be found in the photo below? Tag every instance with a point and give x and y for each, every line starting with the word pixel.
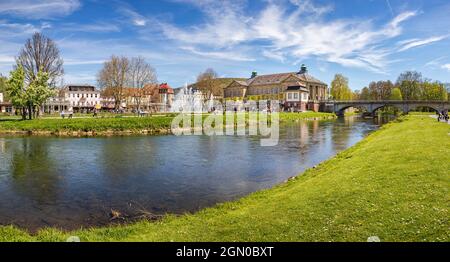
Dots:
pixel 297 98
pixel 5 107
pixel 82 97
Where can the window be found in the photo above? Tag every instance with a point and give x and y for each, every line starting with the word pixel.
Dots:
pixel 289 96
pixel 296 96
pixel 78 95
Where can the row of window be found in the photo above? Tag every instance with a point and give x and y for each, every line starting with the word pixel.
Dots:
pixel 83 95
pixel 83 103
pixel 264 91
pixel 294 96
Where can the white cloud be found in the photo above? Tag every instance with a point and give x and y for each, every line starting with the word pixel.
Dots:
pixel 307 6
pixel 101 27
pixel 293 32
pixel 13 30
pixel 408 44
pixel 234 56
pixel 446 66
pixel 83 62
pixel 435 62
pixel 135 17
pixel 37 9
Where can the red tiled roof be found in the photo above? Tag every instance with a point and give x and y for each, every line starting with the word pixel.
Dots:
pixel 166 86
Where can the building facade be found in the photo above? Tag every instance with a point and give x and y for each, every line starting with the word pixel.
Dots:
pixel 150 98
pixel 297 91
pixel 5 106
pixel 82 98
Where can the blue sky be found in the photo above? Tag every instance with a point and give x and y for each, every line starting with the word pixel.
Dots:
pixel 365 40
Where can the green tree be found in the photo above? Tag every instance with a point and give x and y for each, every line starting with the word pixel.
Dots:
pixel 365 94
pixel 3 87
pixel 28 97
pixel 15 88
pixel 38 92
pixel 396 94
pixel 340 89
pixel 434 91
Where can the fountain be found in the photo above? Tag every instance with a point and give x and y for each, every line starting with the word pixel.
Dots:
pixel 189 100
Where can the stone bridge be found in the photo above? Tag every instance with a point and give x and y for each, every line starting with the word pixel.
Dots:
pixel 371 107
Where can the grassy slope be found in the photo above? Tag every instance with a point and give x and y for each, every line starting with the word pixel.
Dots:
pixel 394 184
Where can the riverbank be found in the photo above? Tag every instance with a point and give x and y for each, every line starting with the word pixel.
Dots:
pixel 288 117
pixel 88 126
pixel 393 184
pixel 110 126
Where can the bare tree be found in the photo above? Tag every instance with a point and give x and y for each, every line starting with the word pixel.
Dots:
pixel 207 84
pixel 113 77
pixel 140 74
pixel 40 53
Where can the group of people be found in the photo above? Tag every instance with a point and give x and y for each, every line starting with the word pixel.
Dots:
pixel 443 116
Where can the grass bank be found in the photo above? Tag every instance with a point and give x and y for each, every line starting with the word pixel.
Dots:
pixel 87 125
pixel 158 124
pixel 394 184
pixel 289 117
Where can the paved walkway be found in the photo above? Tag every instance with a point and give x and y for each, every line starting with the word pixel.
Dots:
pixel 435 117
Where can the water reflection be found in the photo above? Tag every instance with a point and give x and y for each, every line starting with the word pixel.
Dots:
pixel 70 182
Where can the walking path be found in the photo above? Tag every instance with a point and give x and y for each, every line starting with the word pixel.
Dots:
pixel 435 117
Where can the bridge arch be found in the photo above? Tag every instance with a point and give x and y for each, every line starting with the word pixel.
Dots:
pixel 378 107
pixel 433 107
pixel 341 110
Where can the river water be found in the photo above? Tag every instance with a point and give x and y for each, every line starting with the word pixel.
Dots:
pixel 73 182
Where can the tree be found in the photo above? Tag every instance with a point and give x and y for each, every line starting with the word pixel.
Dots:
pixel 28 97
pixel 340 89
pixel 38 92
pixel 365 94
pixel 207 84
pixel 433 91
pixel 396 94
pixel 380 90
pixel 447 86
pixel 140 74
pixel 409 83
pixel 15 88
pixel 3 87
pixel 40 53
pixel 356 95
pixel 113 77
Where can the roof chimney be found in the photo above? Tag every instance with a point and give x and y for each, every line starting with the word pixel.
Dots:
pixel 303 69
pixel 254 74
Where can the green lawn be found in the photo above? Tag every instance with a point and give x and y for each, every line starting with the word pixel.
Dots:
pixel 309 115
pixel 88 124
pixel 394 185
pixel 106 124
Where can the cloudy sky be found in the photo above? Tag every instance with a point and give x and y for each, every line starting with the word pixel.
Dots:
pixel 363 39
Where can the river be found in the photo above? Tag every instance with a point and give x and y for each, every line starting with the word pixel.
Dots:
pixel 73 182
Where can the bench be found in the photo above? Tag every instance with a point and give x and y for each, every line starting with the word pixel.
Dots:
pixel 143 113
pixel 68 114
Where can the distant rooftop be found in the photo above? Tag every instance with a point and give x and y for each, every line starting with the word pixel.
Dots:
pixel 80 88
